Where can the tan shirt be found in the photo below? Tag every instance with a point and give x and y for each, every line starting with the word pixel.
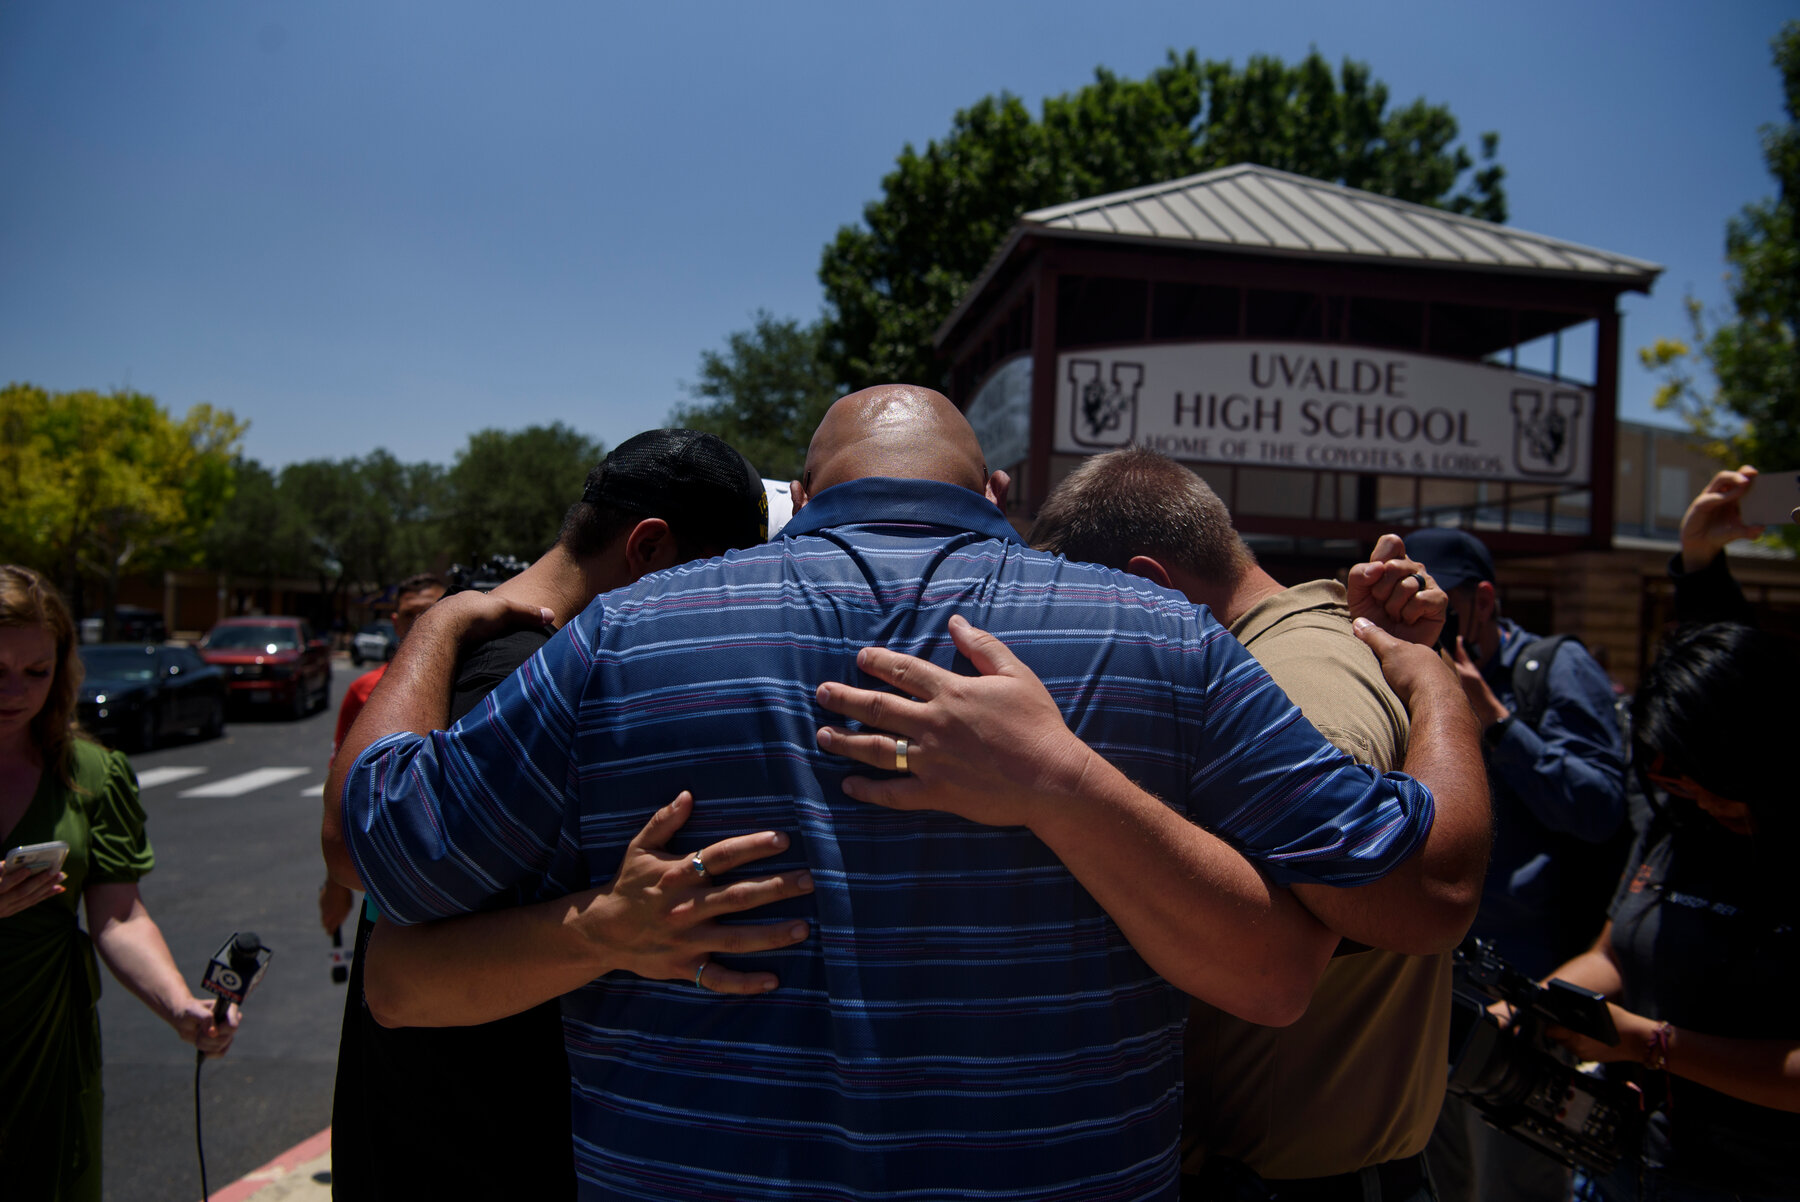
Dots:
pixel 1359 1079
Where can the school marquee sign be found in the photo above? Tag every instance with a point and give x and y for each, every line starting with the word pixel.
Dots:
pixel 1303 405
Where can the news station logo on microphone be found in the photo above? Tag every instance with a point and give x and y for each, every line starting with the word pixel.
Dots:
pixel 237 968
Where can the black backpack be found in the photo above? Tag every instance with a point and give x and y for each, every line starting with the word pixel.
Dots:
pixel 1587 874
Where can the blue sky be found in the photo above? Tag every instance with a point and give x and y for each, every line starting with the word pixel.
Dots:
pixel 390 224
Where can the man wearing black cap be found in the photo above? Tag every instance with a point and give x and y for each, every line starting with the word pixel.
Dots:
pixel 483 1111
pixel 1556 775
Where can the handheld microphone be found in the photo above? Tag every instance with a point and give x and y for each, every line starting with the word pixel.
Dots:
pixel 232 973
pixel 340 959
pixel 235 970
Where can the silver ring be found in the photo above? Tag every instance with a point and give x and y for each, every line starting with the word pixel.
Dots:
pixel 697 972
pixel 698 864
pixel 900 755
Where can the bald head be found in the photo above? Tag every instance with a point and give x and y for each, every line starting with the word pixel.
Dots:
pixel 895 430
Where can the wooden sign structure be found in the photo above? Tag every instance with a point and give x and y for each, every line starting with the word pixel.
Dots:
pixel 1335 363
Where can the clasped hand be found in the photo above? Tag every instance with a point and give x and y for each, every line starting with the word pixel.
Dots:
pixel 658 917
pixel 1397 593
pixel 990 748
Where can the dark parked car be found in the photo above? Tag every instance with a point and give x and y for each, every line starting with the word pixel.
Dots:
pixel 132 695
pixel 374 643
pixel 272 663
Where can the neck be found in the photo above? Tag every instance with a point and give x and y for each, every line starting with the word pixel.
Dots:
pixel 18 747
pixel 1253 587
pixel 562 583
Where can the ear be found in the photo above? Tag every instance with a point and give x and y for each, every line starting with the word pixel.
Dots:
pixel 650 547
pixel 797 494
pixel 1484 600
pixel 998 485
pixel 1149 569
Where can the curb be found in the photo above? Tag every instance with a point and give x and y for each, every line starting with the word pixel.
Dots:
pixel 301 1154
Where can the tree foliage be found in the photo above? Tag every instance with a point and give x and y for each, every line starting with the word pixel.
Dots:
pixel 374 520
pixel 892 280
pixel 508 490
pixel 1750 411
pixel 763 394
pixel 98 484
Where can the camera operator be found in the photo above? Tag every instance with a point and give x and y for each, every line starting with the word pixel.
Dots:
pixel 1701 956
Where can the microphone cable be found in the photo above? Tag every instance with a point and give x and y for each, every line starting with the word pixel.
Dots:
pixel 199 1144
pixel 232 973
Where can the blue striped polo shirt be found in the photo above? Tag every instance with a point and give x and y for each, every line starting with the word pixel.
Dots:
pixel 964 1021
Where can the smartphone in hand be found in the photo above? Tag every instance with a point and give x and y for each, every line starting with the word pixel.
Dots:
pixel 37 857
pixel 1772 500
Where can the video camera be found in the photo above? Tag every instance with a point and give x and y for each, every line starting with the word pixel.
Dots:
pixel 1525 1083
pixel 484 575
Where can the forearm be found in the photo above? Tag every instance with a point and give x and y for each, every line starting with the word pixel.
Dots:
pixel 413 695
pixel 1427 903
pixel 1763 1072
pixel 1705 590
pixel 1444 754
pixel 1194 908
pixel 1595 968
pixel 482 967
pixel 134 951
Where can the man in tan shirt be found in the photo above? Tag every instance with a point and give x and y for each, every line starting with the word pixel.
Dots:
pixel 1342 1103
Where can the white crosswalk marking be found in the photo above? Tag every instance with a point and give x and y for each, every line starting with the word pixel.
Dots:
pixel 237 786
pixel 149 778
pixel 316 789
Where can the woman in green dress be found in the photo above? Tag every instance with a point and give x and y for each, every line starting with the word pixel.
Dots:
pixel 55 784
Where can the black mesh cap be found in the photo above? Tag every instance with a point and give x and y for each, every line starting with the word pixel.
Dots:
pixel 707 492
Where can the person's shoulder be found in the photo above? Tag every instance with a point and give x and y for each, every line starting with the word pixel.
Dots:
pixel 1073 581
pixel 1317 609
pixel 88 758
pixel 502 654
pixel 97 769
pixel 1303 638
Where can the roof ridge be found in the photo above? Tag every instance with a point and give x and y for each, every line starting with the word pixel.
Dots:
pixel 1044 216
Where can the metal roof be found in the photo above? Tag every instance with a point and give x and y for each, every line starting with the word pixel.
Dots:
pixel 1259 210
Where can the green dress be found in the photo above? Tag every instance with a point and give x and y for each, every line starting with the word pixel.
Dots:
pixel 50 983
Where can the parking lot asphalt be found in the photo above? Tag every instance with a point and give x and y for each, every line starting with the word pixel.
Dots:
pixel 235 825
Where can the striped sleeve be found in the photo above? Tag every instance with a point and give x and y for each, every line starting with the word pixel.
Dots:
pixel 469 818
pixel 1269 783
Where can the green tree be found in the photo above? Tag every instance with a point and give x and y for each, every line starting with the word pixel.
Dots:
pixel 322 505
pixel 508 490
pixel 404 503
pixel 763 394
pixel 892 280
pixel 253 536
pixel 346 522
pixel 27 503
pixel 104 483
pixel 1737 381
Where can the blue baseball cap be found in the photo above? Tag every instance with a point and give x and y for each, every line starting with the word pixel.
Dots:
pixel 1453 557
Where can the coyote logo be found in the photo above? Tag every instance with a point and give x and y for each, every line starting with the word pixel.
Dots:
pixel 1544 430
pixel 1103 413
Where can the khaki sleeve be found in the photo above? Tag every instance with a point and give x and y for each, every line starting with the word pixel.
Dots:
pixel 1336 682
